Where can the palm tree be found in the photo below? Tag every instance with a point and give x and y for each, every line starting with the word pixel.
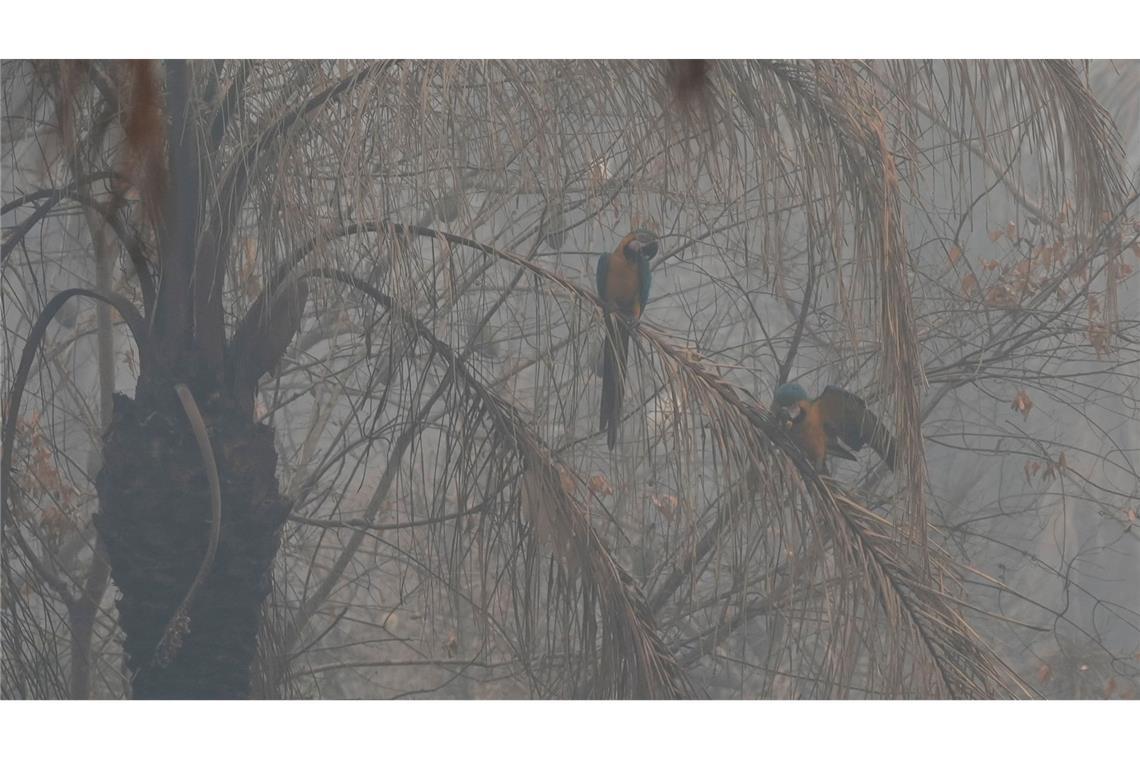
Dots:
pixel 415 224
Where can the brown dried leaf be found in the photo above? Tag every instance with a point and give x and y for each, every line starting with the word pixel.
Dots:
pixel 1022 403
pixel 954 254
pixel 1098 337
pixel 452 643
pixel 666 504
pixel 999 296
pixel 600 486
pixel 567 479
pixel 1031 469
pixel 53 520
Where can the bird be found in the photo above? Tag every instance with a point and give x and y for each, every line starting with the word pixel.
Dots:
pixel 623 279
pixel 835 423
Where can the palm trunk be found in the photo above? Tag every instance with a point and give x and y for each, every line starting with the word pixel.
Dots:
pixel 155 522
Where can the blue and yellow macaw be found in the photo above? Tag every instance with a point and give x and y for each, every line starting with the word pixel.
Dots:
pixel 623 280
pixel 820 425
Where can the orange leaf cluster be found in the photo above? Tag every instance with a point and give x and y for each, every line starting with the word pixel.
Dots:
pixel 600 485
pixel 41 480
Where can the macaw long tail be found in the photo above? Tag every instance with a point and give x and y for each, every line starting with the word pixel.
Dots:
pixel 613 377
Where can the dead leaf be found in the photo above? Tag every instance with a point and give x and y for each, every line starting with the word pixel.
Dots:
pixel 666 504
pixel 567 479
pixel 1022 403
pixel 999 296
pixel 969 285
pixel 1098 337
pixel 452 643
pixel 54 520
pixel 954 254
pixel 600 486
pixel 1031 469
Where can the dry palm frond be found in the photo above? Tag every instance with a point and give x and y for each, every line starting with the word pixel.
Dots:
pixel 834 97
pixel 631 660
pixel 448 157
pixel 923 629
pixel 1048 104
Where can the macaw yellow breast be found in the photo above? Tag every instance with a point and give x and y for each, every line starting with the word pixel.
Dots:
pixel 812 432
pixel 622 285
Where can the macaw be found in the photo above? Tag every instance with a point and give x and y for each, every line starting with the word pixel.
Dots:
pixel 819 425
pixel 623 279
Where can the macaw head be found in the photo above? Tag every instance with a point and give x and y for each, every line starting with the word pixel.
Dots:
pixel 787 398
pixel 642 242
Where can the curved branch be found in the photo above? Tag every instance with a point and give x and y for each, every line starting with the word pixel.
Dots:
pixel 25 226
pixel 137 327
pixel 12 407
pixel 209 267
pixel 57 192
pixel 131 242
pixel 645 667
pixel 179 624
pixel 809 289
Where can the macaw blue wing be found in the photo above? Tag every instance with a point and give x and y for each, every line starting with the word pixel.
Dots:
pixel 644 280
pixel 847 418
pixel 600 278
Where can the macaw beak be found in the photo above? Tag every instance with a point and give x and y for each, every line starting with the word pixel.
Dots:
pixel 644 244
pixel 792 412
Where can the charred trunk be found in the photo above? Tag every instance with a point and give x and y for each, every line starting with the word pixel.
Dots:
pixel 155 520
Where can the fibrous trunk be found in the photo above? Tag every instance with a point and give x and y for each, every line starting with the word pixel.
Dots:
pixel 154 519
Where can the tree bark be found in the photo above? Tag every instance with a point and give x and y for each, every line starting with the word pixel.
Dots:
pixel 155 522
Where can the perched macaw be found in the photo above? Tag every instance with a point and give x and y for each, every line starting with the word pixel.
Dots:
pixel 820 425
pixel 623 285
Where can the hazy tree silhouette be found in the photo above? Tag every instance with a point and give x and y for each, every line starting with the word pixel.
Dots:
pixel 355 451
